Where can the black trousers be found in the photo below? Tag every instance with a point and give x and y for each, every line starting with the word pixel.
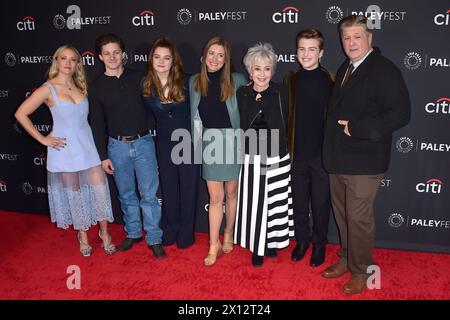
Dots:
pixel 311 189
pixel 179 187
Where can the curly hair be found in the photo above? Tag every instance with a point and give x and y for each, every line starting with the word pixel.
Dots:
pixel 259 52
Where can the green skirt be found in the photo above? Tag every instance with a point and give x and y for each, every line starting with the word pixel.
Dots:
pixel 220 154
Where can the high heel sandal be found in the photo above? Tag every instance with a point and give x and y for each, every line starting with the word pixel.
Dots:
pixel 107 246
pixel 211 258
pixel 227 242
pixel 85 248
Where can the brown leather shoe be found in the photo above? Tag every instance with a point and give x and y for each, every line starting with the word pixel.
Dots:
pixel 354 285
pixel 334 271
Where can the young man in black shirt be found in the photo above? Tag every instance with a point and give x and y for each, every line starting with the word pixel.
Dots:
pixel 125 145
pixel 309 89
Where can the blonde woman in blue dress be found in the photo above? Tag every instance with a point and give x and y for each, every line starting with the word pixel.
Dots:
pixel 78 190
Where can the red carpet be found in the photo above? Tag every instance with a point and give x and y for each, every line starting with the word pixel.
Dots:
pixel 34 256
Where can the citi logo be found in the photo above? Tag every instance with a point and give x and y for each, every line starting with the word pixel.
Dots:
pixel 207 208
pixel 40 160
pixel 431 186
pixel 287 15
pixel 29 93
pixel 26 24
pixel 87 58
pixel 3 186
pixel 145 18
pixel 442 19
pixel 441 105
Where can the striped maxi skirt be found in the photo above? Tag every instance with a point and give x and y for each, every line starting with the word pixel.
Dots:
pixel 265 212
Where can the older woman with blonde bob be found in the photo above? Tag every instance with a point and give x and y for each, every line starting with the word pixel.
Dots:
pixel 78 191
pixel 264 214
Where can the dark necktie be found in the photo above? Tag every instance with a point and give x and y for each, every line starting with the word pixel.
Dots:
pixel 348 74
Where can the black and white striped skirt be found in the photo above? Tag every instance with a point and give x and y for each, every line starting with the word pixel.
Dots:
pixel 265 212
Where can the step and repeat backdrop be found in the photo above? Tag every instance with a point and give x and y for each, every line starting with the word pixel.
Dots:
pixel 413 203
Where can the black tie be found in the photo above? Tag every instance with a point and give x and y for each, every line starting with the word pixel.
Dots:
pixel 348 75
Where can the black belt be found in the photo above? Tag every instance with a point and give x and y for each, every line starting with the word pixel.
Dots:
pixel 128 139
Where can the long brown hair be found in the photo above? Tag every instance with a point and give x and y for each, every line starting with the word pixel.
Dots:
pixel 79 76
pixel 226 81
pixel 175 81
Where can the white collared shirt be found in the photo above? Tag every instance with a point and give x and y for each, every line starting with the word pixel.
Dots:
pixel 357 63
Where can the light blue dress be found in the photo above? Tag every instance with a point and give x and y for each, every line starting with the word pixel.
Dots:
pixel 78 189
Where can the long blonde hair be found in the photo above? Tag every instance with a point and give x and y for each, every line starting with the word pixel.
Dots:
pixel 226 81
pixel 175 82
pixel 79 76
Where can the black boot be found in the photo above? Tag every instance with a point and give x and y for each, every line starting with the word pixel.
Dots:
pixel 257 261
pixel 271 253
pixel 299 252
pixel 317 256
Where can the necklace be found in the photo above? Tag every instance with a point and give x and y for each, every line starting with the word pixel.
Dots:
pixel 68 86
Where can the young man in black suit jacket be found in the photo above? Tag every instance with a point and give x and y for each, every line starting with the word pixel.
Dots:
pixel 369 102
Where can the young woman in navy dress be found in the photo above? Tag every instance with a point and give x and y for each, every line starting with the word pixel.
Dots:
pixel 166 96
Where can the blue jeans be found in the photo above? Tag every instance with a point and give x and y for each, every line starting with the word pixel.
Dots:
pixel 137 157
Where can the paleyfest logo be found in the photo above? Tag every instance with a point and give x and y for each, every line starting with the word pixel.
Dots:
pixel 10 59
pixel 75 20
pixel 396 220
pixel 412 60
pixel 184 16
pixel 374 16
pixel 334 14
pixel 404 145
